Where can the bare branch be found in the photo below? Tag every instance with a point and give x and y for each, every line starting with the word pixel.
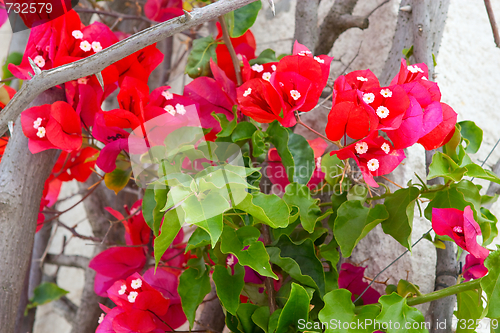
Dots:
pixel 96 63
pixel 67 260
pixel 66 308
pixel 493 23
pixel 114 14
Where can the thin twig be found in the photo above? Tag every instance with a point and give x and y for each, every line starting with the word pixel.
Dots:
pixel 114 14
pixel 493 23
pixel 390 181
pixel 232 52
pixel 299 121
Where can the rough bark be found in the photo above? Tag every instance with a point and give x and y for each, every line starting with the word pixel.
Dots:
pixel 338 20
pixel 212 317
pixel 22 177
pixel 306 23
pixel 34 277
pixel 421 27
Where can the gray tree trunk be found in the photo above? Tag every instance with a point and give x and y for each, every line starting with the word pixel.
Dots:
pixel 306 23
pixel 22 177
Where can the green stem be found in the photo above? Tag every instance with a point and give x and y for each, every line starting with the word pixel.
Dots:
pixel 323 204
pixel 455 289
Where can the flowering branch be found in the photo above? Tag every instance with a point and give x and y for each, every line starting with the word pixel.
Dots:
pixel 97 62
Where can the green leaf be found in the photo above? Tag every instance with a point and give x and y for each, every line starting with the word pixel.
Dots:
pixel 395 310
pixel 192 291
pixel 296 307
pixel 304 254
pixel 268 55
pixel 472 134
pixel 354 221
pixel 255 256
pixel 339 311
pixel 199 238
pixel 300 196
pixel 148 205
pixel 117 179
pixel 332 166
pixel 155 198
pixel 244 18
pixel 400 206
pixel 261 318
pixel 259 146
pixel 491 283
pixel 227 126
pixel 13 58
pixel 408 52
pixel 443 166
pixel 268 208
pixel 229 286
pixel 170 228
pixel 243 131
pixel 45 293
pixel 198 63
pixel 296 154
pixel 470 308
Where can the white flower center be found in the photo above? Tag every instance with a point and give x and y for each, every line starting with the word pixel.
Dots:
pixel 304 53
pixel 386 92
pixel 96 46
pixel 373 164
pixel 240 57
pixel 39 61
pixel 458 229
pixel 180 109
pixel 295 94
pixel 362 79
pixel 77 34
pixel 247 92
pixel 122 290
pixel 136 284
pixel 424 78
pixel 361 147
pixel 170 109
pixel 41 132
pixel 318 163
pixel 266 76
pixel 101 318
pixel 382 112
pixel 83 80
pixel 37 123
pixel 230 260
pixel 273 67
pixel 85 46
pixel 368 98
pixel 386 148
pixel 415 69
pixel 168 95
pixel 132 296
pixel 258 68
pixel 318 59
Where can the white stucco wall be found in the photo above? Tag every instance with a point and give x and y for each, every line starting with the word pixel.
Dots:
pixel 468 75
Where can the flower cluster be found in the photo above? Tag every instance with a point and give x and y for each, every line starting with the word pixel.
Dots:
pixel 408 111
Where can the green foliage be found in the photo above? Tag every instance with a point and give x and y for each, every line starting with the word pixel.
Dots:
pixel 491 283
pixel 472 135
pixel 171 226
pixel 14 58
pixel 268 209
pixel 297 307
pixel 470 309
pixel 255 256
pixel 192 289
pixel 339 311
pixel 266 56
pixel 198 63
pixel 242 19
pixel 395 310
pixel 300 196
pixel 45 293
pixel 229 286
pixel 400 206
pixel 117 179
pixel 354 221
pixel 296 154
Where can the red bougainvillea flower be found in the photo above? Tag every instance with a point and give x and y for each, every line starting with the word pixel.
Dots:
pixel 244 47
pixel 351 278
pixel 443 132
pixel 114 264
pixel 353 117
pixel 257 71
pixel 474 268
pixel 277 172
pixel 137 231
pixel 461 227
pixel 163 10
pixel 3 13
pixel 358 80
pixel 6 94
pixel 3 144
pixel 142 306
pixel 410 129
pixel 166 282
pixel 259 100
pixel 374 155
pixel 213 95
pixel 52 126
pixel 75 165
